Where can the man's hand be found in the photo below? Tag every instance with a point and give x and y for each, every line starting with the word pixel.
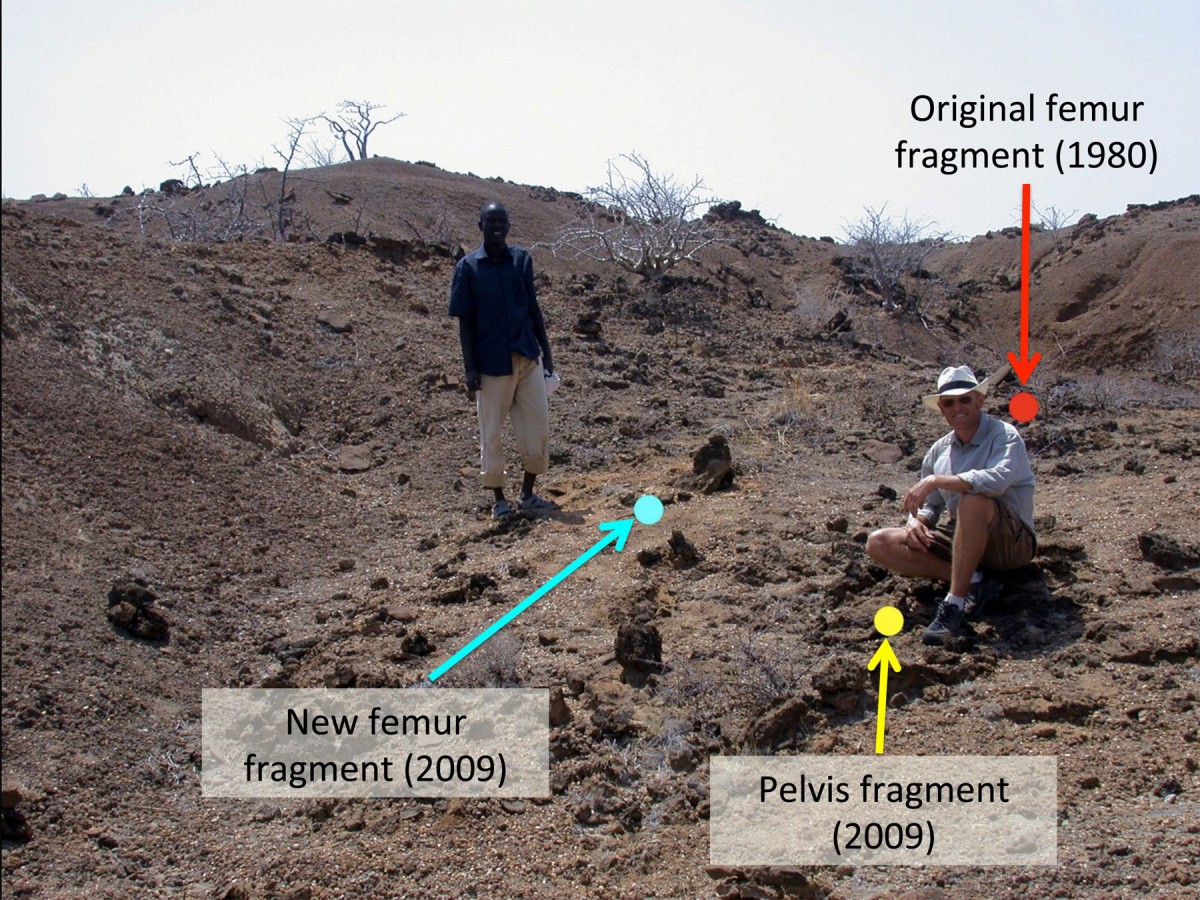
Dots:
pixel 915 498
pixel 918 536
pixel 473 380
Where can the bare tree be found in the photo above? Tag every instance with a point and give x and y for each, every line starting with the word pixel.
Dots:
pixel 353 125
pixel 645 222
pixel 886 249
pixel 297 128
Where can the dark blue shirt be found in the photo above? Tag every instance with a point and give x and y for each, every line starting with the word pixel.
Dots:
pixel 498 300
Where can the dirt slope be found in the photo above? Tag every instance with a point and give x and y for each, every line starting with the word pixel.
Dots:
pixel 274 438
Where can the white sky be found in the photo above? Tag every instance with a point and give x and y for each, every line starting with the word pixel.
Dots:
pixel 794 108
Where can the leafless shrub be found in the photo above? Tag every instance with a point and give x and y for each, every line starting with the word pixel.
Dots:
pixel 443 230
pixel 687 688
pixel 191 177
pixel 168 768
pixel 492 665
pixel 886 249
pixel 319 154
pixel 882 402
pixel 770 665
pixel 1176 355
pixel 793 416
pixel 816 309
pixel 645 222
pixel 1098 394
pixel 1055 220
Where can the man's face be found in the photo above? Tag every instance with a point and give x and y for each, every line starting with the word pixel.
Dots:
pixel 494 225
pixel 962 413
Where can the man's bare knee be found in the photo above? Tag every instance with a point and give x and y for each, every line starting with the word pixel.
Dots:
pixel 974 506
pixel 881 544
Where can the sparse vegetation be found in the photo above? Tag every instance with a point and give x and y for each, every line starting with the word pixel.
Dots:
pixel 1177 355
pixel 886 249
pixel 646 222
pixel 816 310
pixel 1054 220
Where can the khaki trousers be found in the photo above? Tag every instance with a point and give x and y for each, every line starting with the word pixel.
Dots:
pixel 1010 544
pixel 520 396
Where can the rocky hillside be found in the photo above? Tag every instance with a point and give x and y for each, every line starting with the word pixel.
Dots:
pixel 250 463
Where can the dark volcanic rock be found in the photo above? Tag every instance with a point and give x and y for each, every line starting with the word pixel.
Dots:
pixel 1167 552
pixel 131 607
pixel 712 465
pixel 683 552
pixel 639 648
pixel 840 682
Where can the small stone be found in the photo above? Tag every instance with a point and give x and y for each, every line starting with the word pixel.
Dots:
pixel 1045 731
pixel 881 452
pixel 355 458
pixel 649 557
pixel 345 564
pixel 380 583
pixel 335 321
pixel 10 797
pixel 103 838
pixel 547 638
pixel 402 613
pixel 1089 782
pixel 560 712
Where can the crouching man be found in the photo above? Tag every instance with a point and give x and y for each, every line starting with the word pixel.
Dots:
pixel 972 509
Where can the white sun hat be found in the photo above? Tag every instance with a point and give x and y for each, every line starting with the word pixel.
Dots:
pixel 953 381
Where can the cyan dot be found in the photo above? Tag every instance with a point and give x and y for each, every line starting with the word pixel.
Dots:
pixel 648 509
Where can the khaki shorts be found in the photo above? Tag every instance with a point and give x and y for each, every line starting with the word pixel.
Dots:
pixel 1010 544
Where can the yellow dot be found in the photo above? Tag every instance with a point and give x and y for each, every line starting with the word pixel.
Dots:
pixel 889 621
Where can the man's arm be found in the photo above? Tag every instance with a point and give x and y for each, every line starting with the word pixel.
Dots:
pixel 924 499
pixel 539 332
pixel 462 305
pixel 924 496
pixel 466 337
pixel 535 316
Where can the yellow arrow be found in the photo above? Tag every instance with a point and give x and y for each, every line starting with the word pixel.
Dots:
pixel 885 659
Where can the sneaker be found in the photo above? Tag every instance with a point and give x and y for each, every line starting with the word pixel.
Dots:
pixel 534 503
pixel 502 509
pixel 948 623
pixel 981 594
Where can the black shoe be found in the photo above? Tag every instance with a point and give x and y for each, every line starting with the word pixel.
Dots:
pixel 980 594
pixel 948 623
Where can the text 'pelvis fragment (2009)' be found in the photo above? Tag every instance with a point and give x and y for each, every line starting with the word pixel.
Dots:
pixel 885 810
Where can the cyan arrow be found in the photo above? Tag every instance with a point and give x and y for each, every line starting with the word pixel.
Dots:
pixel 617 531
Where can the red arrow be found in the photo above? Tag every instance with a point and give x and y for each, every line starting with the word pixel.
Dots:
pixel 1025 365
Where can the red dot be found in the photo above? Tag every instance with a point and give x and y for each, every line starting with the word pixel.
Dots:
pixel 1023 407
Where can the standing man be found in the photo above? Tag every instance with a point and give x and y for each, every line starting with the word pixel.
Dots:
pixel 980 475
pixel 506 355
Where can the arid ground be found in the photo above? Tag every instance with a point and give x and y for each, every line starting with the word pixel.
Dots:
pixel 274 437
